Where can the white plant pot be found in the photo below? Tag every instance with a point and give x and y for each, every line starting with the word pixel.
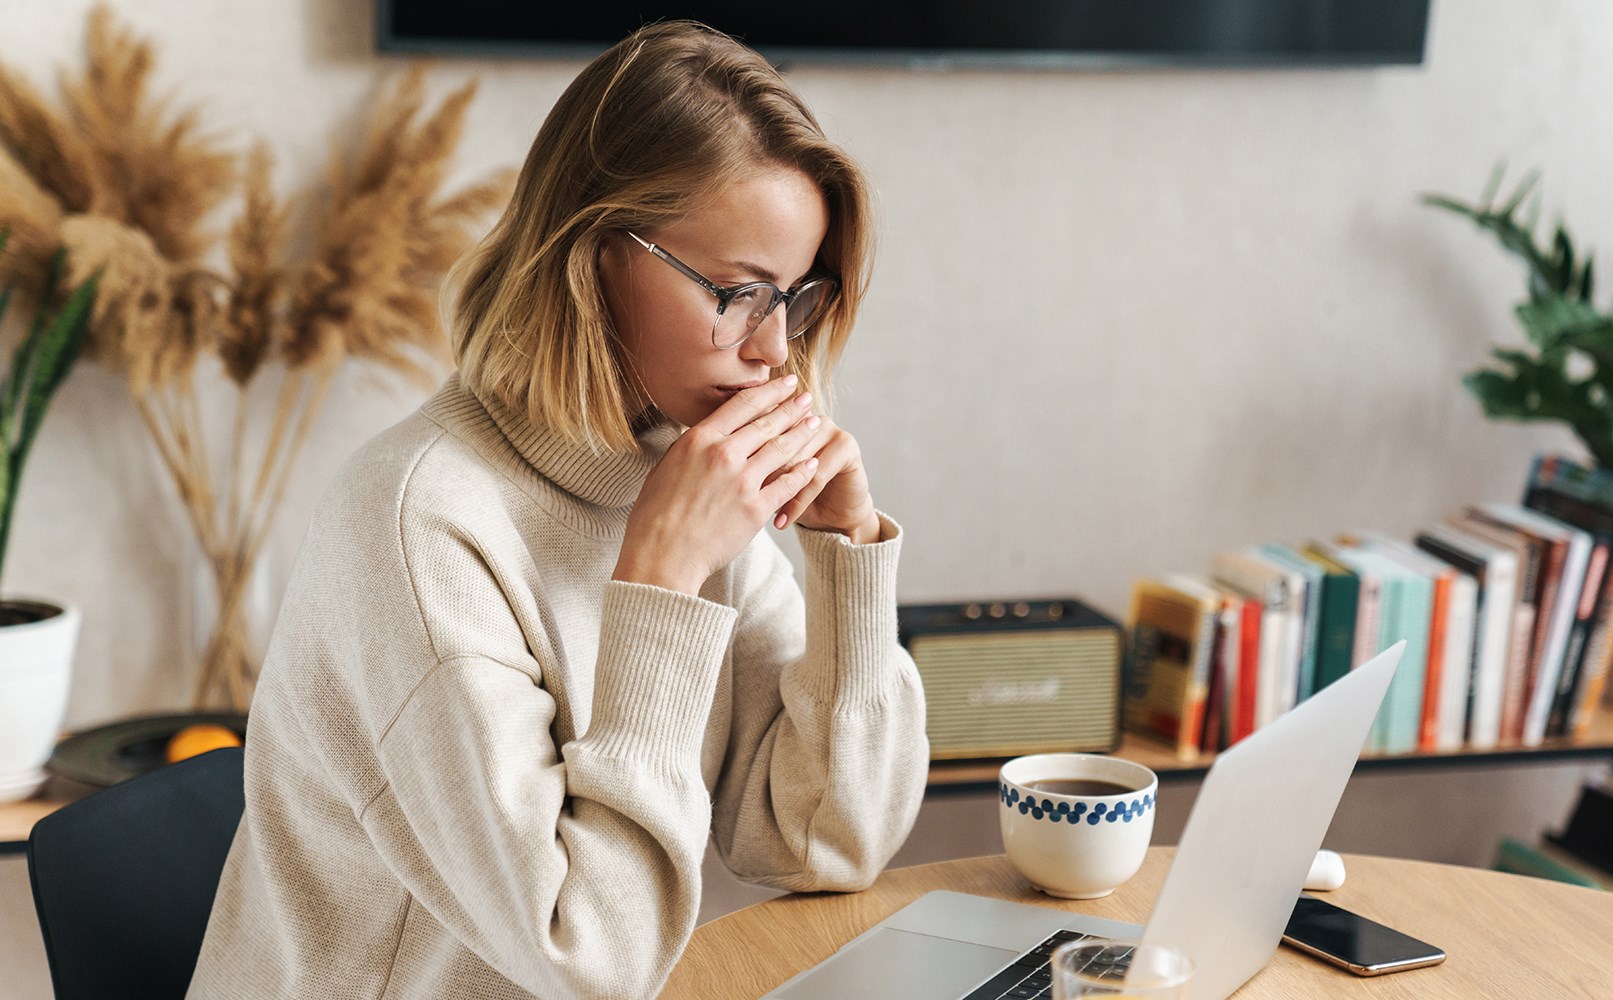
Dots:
pixel 36 665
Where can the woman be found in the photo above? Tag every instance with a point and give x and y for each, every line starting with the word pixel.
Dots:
pixel 538 647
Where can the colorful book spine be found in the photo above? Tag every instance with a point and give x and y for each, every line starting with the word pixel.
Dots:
pixel 1461 632
pixel 1309 580
pixel 1280 628
pixel 1248 689
pixel 1407 610
pixel 1341 593
pixel 1521 634
pixel 1172 635
pixel 1568 551
pixel 1590 600
pixel 1560 500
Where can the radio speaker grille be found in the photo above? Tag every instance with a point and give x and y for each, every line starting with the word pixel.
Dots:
pixel 1006 693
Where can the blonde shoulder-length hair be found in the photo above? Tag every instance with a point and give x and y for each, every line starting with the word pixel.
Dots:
pixel 649 130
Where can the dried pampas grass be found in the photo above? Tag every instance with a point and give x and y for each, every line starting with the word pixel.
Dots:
pixel 128 184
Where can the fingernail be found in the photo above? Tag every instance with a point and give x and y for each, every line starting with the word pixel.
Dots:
pixel 812 463
pixel 813 422
pixel 805 399
pixel 790 380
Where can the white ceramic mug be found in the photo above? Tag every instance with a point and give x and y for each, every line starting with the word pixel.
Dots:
pixel 1076 846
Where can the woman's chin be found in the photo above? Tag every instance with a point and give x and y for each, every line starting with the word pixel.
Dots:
pixel 691 412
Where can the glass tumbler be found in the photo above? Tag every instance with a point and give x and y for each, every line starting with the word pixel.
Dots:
pixel 1120 970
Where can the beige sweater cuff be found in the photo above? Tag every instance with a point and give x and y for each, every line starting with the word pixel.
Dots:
pixel 851 613
pixel 660 653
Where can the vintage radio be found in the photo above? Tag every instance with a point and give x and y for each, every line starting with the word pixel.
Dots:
pixel 1004 678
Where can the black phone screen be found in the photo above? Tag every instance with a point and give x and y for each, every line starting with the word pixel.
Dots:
pixel 1352 938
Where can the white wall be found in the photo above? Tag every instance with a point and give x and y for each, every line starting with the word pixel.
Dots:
pixel 1120 320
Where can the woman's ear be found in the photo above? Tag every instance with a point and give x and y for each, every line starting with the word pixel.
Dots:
pixel 611 258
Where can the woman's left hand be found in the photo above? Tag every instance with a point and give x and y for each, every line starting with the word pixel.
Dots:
pixel 837 497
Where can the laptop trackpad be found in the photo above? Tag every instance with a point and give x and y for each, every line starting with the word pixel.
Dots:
pixel 891 963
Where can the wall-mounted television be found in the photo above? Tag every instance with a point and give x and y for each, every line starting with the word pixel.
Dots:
pixel 1053 34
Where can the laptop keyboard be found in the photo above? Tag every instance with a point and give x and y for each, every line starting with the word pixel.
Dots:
pixel 1028 978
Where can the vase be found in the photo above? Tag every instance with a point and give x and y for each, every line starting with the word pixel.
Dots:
pixel 232 611
pixel 37 639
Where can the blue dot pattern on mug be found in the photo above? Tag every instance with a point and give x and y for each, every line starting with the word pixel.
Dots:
pixel 1073 813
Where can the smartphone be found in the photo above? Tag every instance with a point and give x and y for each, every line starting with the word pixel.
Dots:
pixel 1349 940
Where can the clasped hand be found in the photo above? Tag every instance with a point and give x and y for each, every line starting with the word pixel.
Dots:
pixel 761 457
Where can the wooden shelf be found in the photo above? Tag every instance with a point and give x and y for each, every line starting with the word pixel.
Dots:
pixel 17 819
pixel 963 776
pixel 978 775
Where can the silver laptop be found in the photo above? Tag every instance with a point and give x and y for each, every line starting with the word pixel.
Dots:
pixel 1262 813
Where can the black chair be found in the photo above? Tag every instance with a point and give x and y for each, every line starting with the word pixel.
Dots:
pixel 124 879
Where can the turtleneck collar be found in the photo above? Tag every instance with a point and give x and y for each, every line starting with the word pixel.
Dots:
pixel 598 476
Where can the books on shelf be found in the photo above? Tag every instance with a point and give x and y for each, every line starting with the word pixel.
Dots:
pixel 1405 611
pixel 1447 674
pixel 1172 623
pixel 1567 552
pixel 1520 642
pixel 1571 494
pixel 1254 577
pixel 1494 570
pixel 1506 609
pixel 1335 632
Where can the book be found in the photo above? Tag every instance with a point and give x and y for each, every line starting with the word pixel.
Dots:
pixel 1527 588
pixel 1592 485
pixel 1405 612
pixel 1580 667
pixel 1435 676
pixel 1243 673
pixel 1172 631
pixel 1223 675
pixel 1495 568
pixel 1310 577
pixel 1210 600
pixel 1569 551
pixel 1592 599
pixel 1259 579
pixel 1461 637
pixel 1335 643
pixel 1597 665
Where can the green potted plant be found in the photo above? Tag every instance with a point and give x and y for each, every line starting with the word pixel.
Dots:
pixel 1567 374
pixel 36 636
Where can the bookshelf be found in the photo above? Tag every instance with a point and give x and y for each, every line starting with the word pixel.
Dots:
pixel 968 776
pixel 963 776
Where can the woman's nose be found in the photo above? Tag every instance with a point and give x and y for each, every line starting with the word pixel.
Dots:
pixel 767 342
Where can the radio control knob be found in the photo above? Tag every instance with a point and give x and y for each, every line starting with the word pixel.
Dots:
pixel 1022 610
pixel 971 612
pixel 997 611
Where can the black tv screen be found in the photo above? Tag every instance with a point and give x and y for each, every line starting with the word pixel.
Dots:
pixel 985 33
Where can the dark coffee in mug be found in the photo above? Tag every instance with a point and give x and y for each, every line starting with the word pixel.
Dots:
pixel 1078 786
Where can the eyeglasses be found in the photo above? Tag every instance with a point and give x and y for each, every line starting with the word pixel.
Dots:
pixel 743 308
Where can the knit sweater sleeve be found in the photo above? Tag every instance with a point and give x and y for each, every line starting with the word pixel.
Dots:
pixel 572 870
pixel 827 757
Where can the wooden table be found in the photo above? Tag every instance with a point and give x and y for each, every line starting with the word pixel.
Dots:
pixel 1504 935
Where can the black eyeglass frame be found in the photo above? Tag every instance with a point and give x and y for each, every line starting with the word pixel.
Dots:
pixel 727 293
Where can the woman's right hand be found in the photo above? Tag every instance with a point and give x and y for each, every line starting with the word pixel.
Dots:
pixel 712 492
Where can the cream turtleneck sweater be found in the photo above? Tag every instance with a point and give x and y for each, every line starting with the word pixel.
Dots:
pixel 477 767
